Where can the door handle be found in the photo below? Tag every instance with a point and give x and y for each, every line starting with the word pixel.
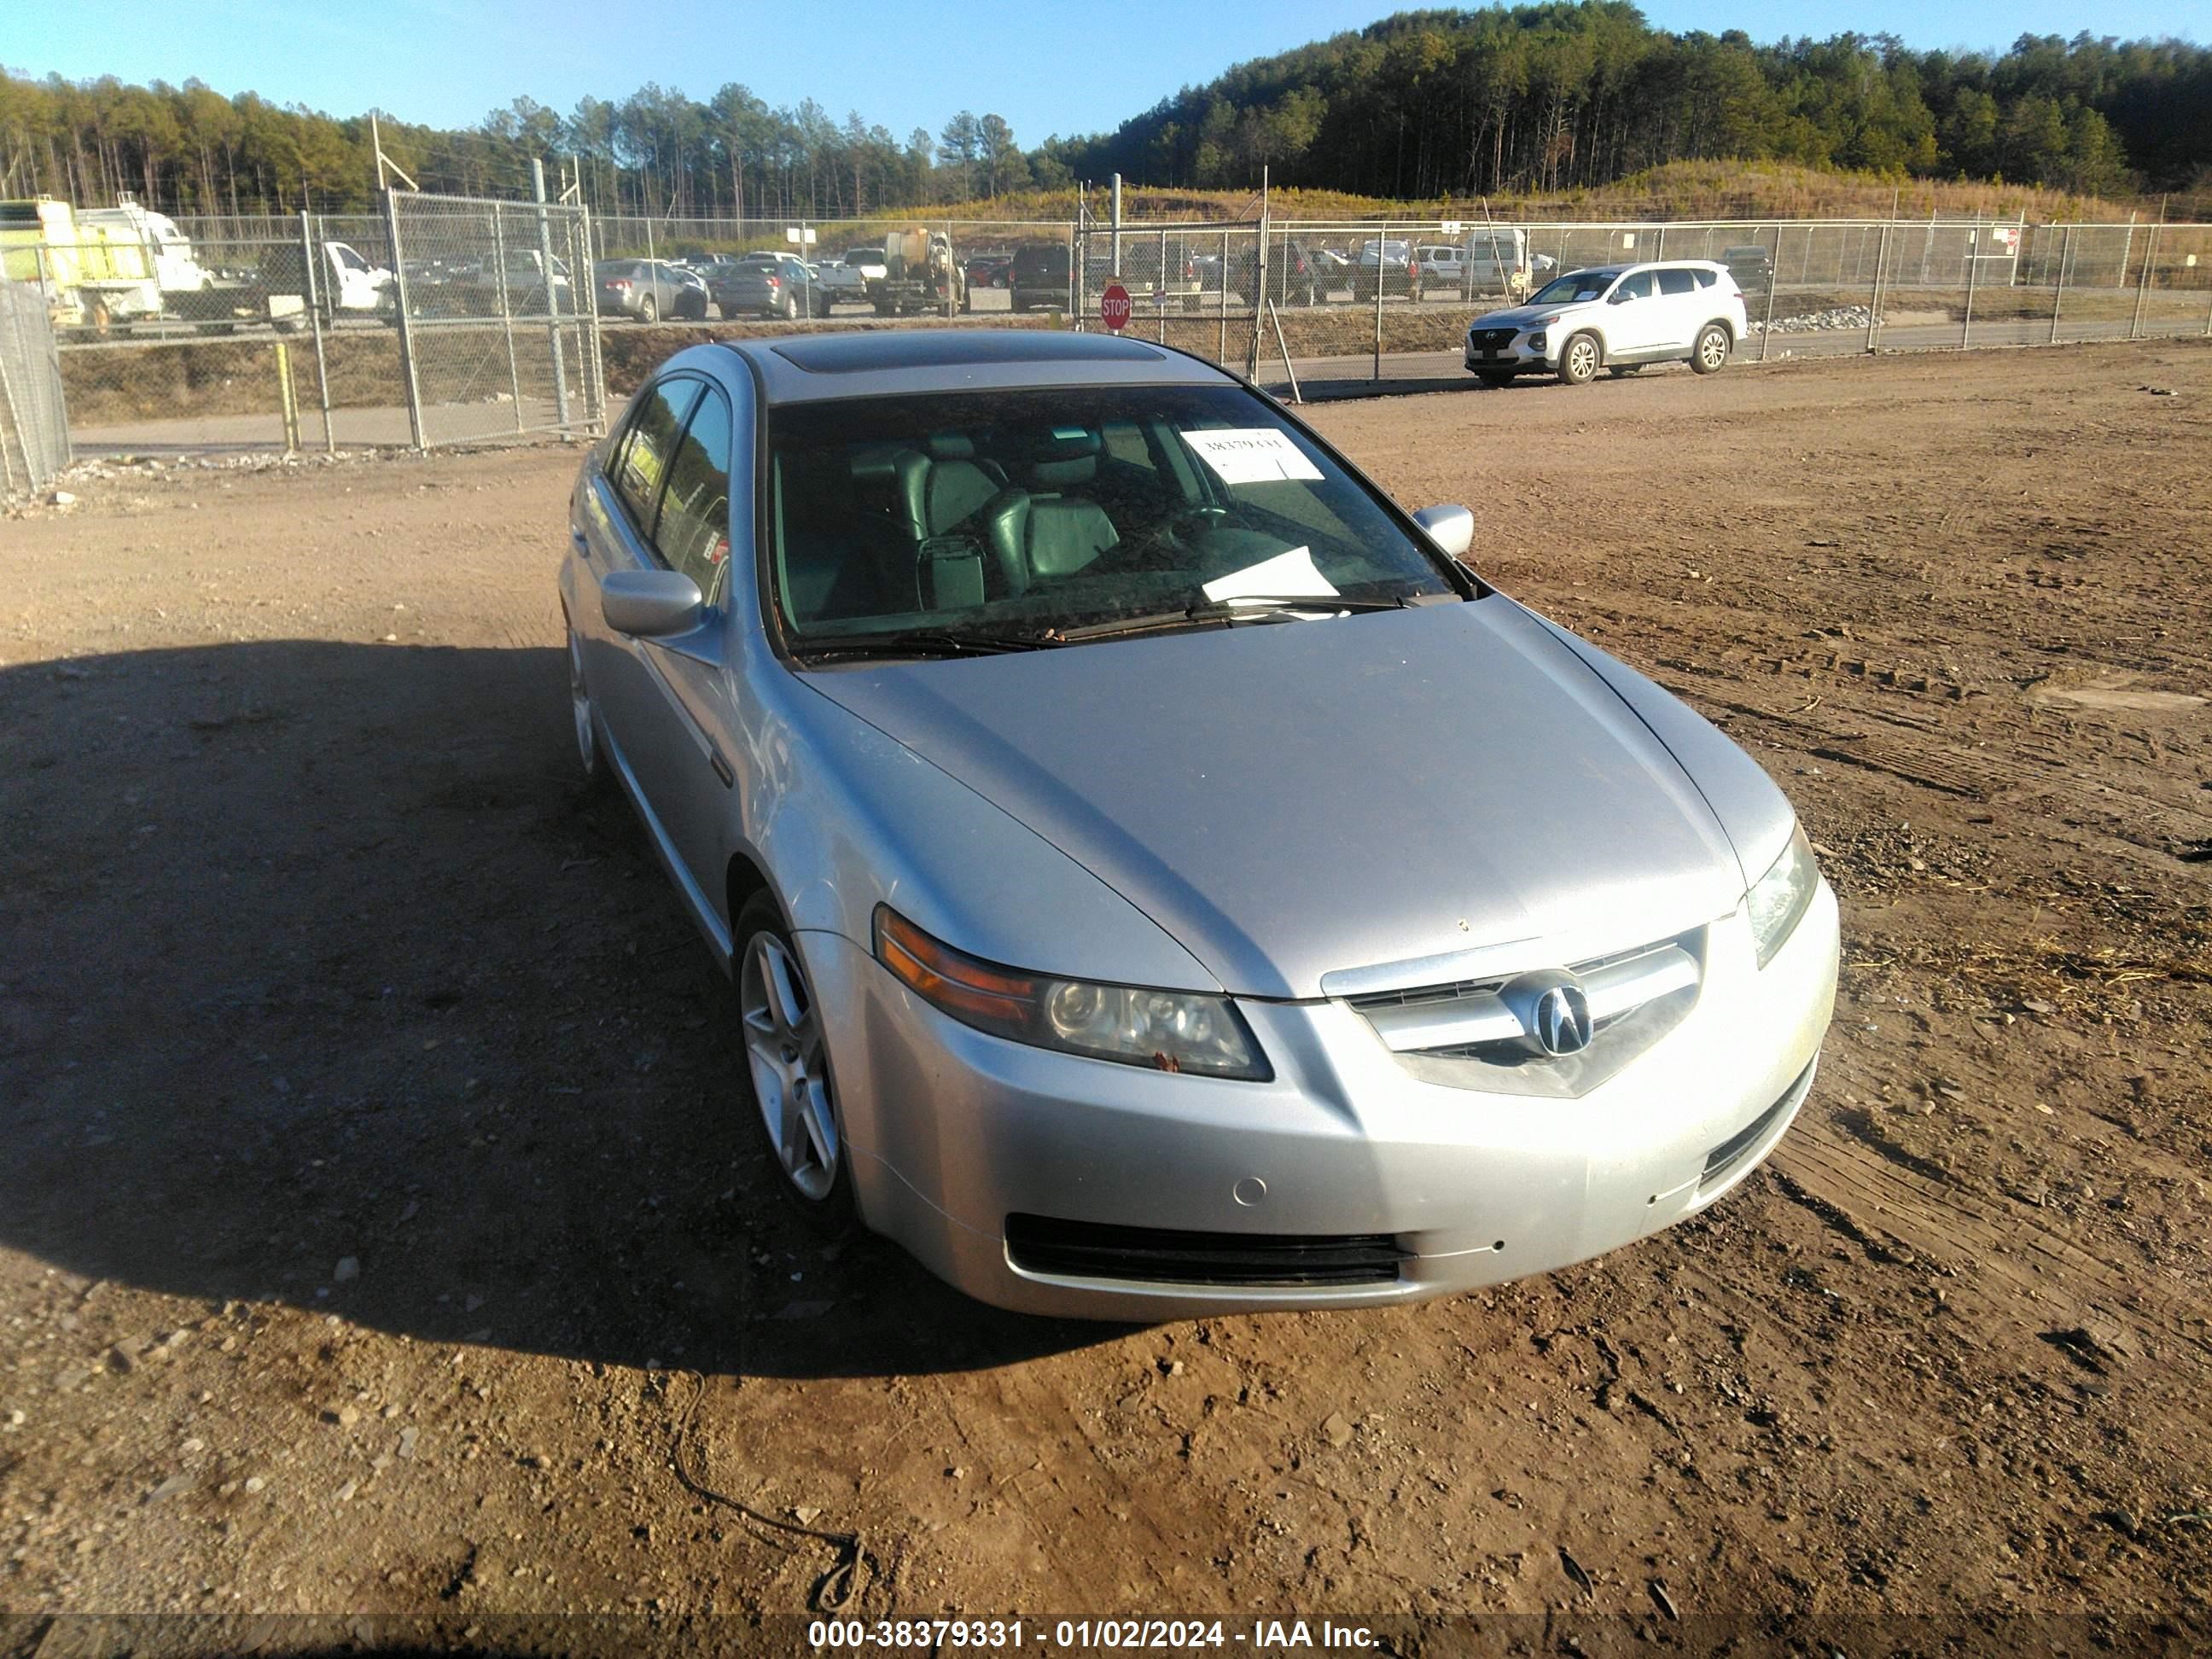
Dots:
pixel 721 769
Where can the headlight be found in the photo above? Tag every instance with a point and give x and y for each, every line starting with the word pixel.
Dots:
pixel 1777 900
pixel 1171 1030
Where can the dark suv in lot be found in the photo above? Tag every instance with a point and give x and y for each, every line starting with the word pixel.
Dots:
pixel 1751 265
pixel 1040 277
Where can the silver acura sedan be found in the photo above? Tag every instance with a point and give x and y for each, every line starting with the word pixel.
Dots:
pixel 1159 878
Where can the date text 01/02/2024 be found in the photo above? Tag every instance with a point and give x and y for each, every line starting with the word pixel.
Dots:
pixel 1145 1634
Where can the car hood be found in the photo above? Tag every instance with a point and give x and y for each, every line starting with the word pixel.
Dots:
pixel 1520 317
pixel 1293 799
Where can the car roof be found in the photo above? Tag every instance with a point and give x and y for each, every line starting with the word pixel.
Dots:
pixel 816 367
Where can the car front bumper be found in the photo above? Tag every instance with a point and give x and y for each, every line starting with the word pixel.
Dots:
pixel 1519 357
pixel 951 1131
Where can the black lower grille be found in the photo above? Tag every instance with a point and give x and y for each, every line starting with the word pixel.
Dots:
pixel 1087 1249
pixel 1493 339
pixel 1731 1151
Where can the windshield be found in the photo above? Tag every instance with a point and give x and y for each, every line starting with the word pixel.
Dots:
pixel 1574 287
pixel 1026 513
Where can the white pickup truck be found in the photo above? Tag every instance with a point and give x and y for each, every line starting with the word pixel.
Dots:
pixel 847 277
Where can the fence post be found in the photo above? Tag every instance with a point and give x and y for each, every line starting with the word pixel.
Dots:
pixel 552 295
pixel 595 393
pixel 1382 269
pixel 288 398
pixel 1161 292
pixel 1873 305
pixel 2058 290
pixel 2142 288
pixel 1221 356
pixel 507 307
pixel 1973 270
pixel 1773 282
pixel 315 320
pixel 406 317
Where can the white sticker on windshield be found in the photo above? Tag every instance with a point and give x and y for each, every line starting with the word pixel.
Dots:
pixel 1290 575
pixel 1252 455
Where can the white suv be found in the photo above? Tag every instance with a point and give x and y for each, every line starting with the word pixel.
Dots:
pixel 1616 317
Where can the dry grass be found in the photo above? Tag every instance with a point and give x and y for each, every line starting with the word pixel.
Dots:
pixel 1678 191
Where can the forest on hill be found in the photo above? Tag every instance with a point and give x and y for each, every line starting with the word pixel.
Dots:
pixel 1522 100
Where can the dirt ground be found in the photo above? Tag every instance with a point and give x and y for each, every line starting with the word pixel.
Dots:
pixel 373 1222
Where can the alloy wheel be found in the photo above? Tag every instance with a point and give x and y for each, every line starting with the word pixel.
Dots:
pixel 790 1070
pixel 580 705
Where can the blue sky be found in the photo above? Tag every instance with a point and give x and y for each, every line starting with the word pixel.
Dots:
pixel 1047 65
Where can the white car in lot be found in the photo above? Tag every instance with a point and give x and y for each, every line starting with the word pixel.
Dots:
pixel 1617 318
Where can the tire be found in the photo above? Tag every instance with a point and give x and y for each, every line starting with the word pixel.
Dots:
pixel 786 1082
pixel 729 311
pixel 590 742
pixel 789 309
pixel 648 310
pixel 1580 359
pixel 1710 354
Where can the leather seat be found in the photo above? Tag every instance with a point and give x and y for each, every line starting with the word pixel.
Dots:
pixel 1040 537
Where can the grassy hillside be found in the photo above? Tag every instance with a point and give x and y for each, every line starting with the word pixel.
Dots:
pixel 1679 190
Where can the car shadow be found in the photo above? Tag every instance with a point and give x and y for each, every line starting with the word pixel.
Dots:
pixel 323 981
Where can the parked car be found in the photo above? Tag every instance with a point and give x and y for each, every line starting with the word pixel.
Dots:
pixel 776 286
pixel 1386 262
pixel 1441 266
pixel 649 289
pixel 1054 743
pixel 847 277
pixel 1294 276
pixel 1751 265
pixel 1618 318
pixel 1040 276
pixel 990 270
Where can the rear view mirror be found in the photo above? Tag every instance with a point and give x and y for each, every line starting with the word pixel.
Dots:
pixel 650 603
pixel 1451 528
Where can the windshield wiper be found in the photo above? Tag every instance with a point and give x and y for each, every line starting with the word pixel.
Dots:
pixel 924 643
pixel 1270 606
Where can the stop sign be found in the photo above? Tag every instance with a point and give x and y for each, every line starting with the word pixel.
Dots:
pixel 1114 307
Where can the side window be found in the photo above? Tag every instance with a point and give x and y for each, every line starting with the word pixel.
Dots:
pixel 1637 286
pixel 1677 281
pixel 694 532
pixel 642 462
pixel 1707 278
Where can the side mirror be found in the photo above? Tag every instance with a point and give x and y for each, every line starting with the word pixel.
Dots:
pixel 1451 528
pixel 650 603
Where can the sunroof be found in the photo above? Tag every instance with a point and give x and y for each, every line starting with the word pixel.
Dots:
pixel 857 353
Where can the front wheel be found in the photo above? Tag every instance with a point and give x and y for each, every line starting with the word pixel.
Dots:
pixel 789 309
pixel 1712 349
pixel 589 750
pixel 787 1067
pixel 1580 361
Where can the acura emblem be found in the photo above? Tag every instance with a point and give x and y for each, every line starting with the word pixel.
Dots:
pixel 1562 1020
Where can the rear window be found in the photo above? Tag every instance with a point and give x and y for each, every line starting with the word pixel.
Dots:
pixel 1045 263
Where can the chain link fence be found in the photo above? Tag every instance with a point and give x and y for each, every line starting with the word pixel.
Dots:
pixel 1253 296
pixel 434 321
pixel 34 442
pixel 498 318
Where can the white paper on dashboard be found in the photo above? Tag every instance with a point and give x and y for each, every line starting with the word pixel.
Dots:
pixel 1251 455
pixel 1288 575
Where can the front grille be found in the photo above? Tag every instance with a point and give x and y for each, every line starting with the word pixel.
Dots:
pixel 1158 1255
pixel 1493 339
pixel 1467 1034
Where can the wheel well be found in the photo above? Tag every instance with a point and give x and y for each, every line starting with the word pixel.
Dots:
pixel 745 879
pixel 1724 325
